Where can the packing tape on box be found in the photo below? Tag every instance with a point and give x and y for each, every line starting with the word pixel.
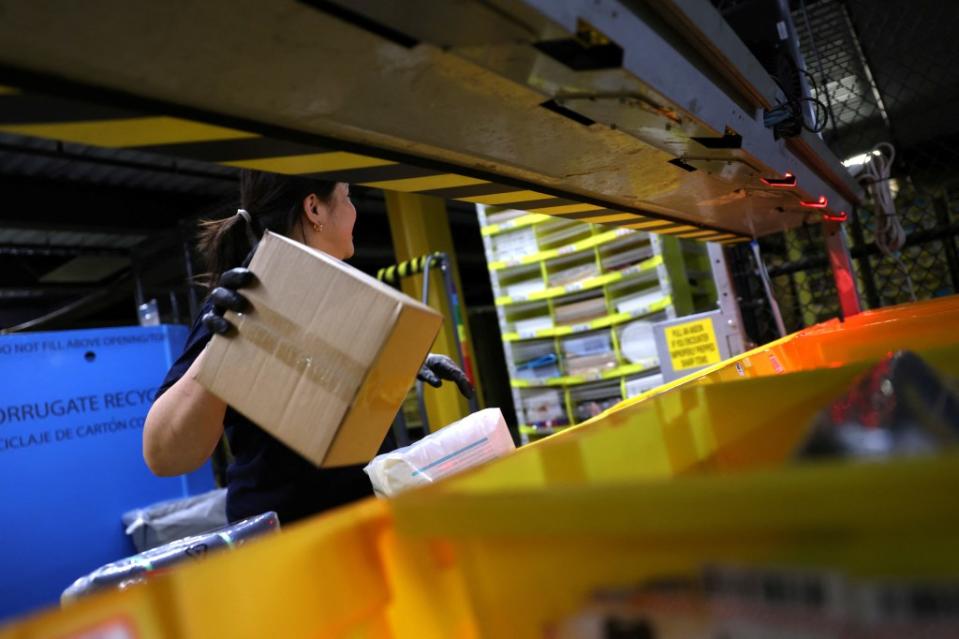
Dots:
pixel 320 361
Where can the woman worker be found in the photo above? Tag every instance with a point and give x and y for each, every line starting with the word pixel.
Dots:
pixel 186 421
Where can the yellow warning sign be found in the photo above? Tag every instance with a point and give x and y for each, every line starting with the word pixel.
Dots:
pixel 692 345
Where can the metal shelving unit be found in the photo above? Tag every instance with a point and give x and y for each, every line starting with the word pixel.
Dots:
pixel 576 303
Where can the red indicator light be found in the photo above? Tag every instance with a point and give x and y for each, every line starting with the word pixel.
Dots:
pixel 788 181
pixel 835 217
pixel 821 203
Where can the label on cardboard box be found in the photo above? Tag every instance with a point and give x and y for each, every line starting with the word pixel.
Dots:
pixel 325 355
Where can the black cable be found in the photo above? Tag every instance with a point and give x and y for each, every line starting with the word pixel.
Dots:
pixel 821 122
pixel 823 107
pixel 815 49
pixel 786 118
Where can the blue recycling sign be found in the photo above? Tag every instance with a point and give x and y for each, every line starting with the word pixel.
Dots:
pixel 72 407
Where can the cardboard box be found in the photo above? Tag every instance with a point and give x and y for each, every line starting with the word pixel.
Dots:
pixel 325 355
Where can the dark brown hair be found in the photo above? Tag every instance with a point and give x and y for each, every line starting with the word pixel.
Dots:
pixel 274 203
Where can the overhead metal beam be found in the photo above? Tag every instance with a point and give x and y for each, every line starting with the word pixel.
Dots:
pixel 702 24
pixel 452 99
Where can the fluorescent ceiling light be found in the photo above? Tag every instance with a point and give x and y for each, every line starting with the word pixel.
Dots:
pixel 857 160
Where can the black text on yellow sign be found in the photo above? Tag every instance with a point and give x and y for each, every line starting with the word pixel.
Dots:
pixel 692 345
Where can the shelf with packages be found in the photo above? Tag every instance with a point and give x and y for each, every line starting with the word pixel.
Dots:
pixel 578 284
pixel 520 219
pixel 568 249
pixel 576 303
pixel 574 380
pixel 660 303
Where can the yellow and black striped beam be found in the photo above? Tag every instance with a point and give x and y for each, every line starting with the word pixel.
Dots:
pixel 396 272
pixel 68 119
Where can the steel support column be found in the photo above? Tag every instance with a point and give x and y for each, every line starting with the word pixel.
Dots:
pixel 419 225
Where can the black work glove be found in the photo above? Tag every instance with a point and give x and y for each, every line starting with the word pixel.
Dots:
pixel 436 368
pixel 225 297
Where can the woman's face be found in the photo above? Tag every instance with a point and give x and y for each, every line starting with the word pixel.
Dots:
pixel 336 218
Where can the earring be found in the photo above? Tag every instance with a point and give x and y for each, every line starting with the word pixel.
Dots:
pixel 317 228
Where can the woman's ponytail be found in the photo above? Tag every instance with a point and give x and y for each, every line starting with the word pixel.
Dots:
pixel 268 201
pixel 222 244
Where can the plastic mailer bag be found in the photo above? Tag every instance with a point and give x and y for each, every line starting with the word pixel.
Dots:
pixel 167 521
pixel 901 406
pixel 473 440
pixel 132 570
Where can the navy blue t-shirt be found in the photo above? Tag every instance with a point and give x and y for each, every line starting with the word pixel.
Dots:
pixel 266 474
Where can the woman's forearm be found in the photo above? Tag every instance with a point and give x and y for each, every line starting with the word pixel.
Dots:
pixel 183 426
